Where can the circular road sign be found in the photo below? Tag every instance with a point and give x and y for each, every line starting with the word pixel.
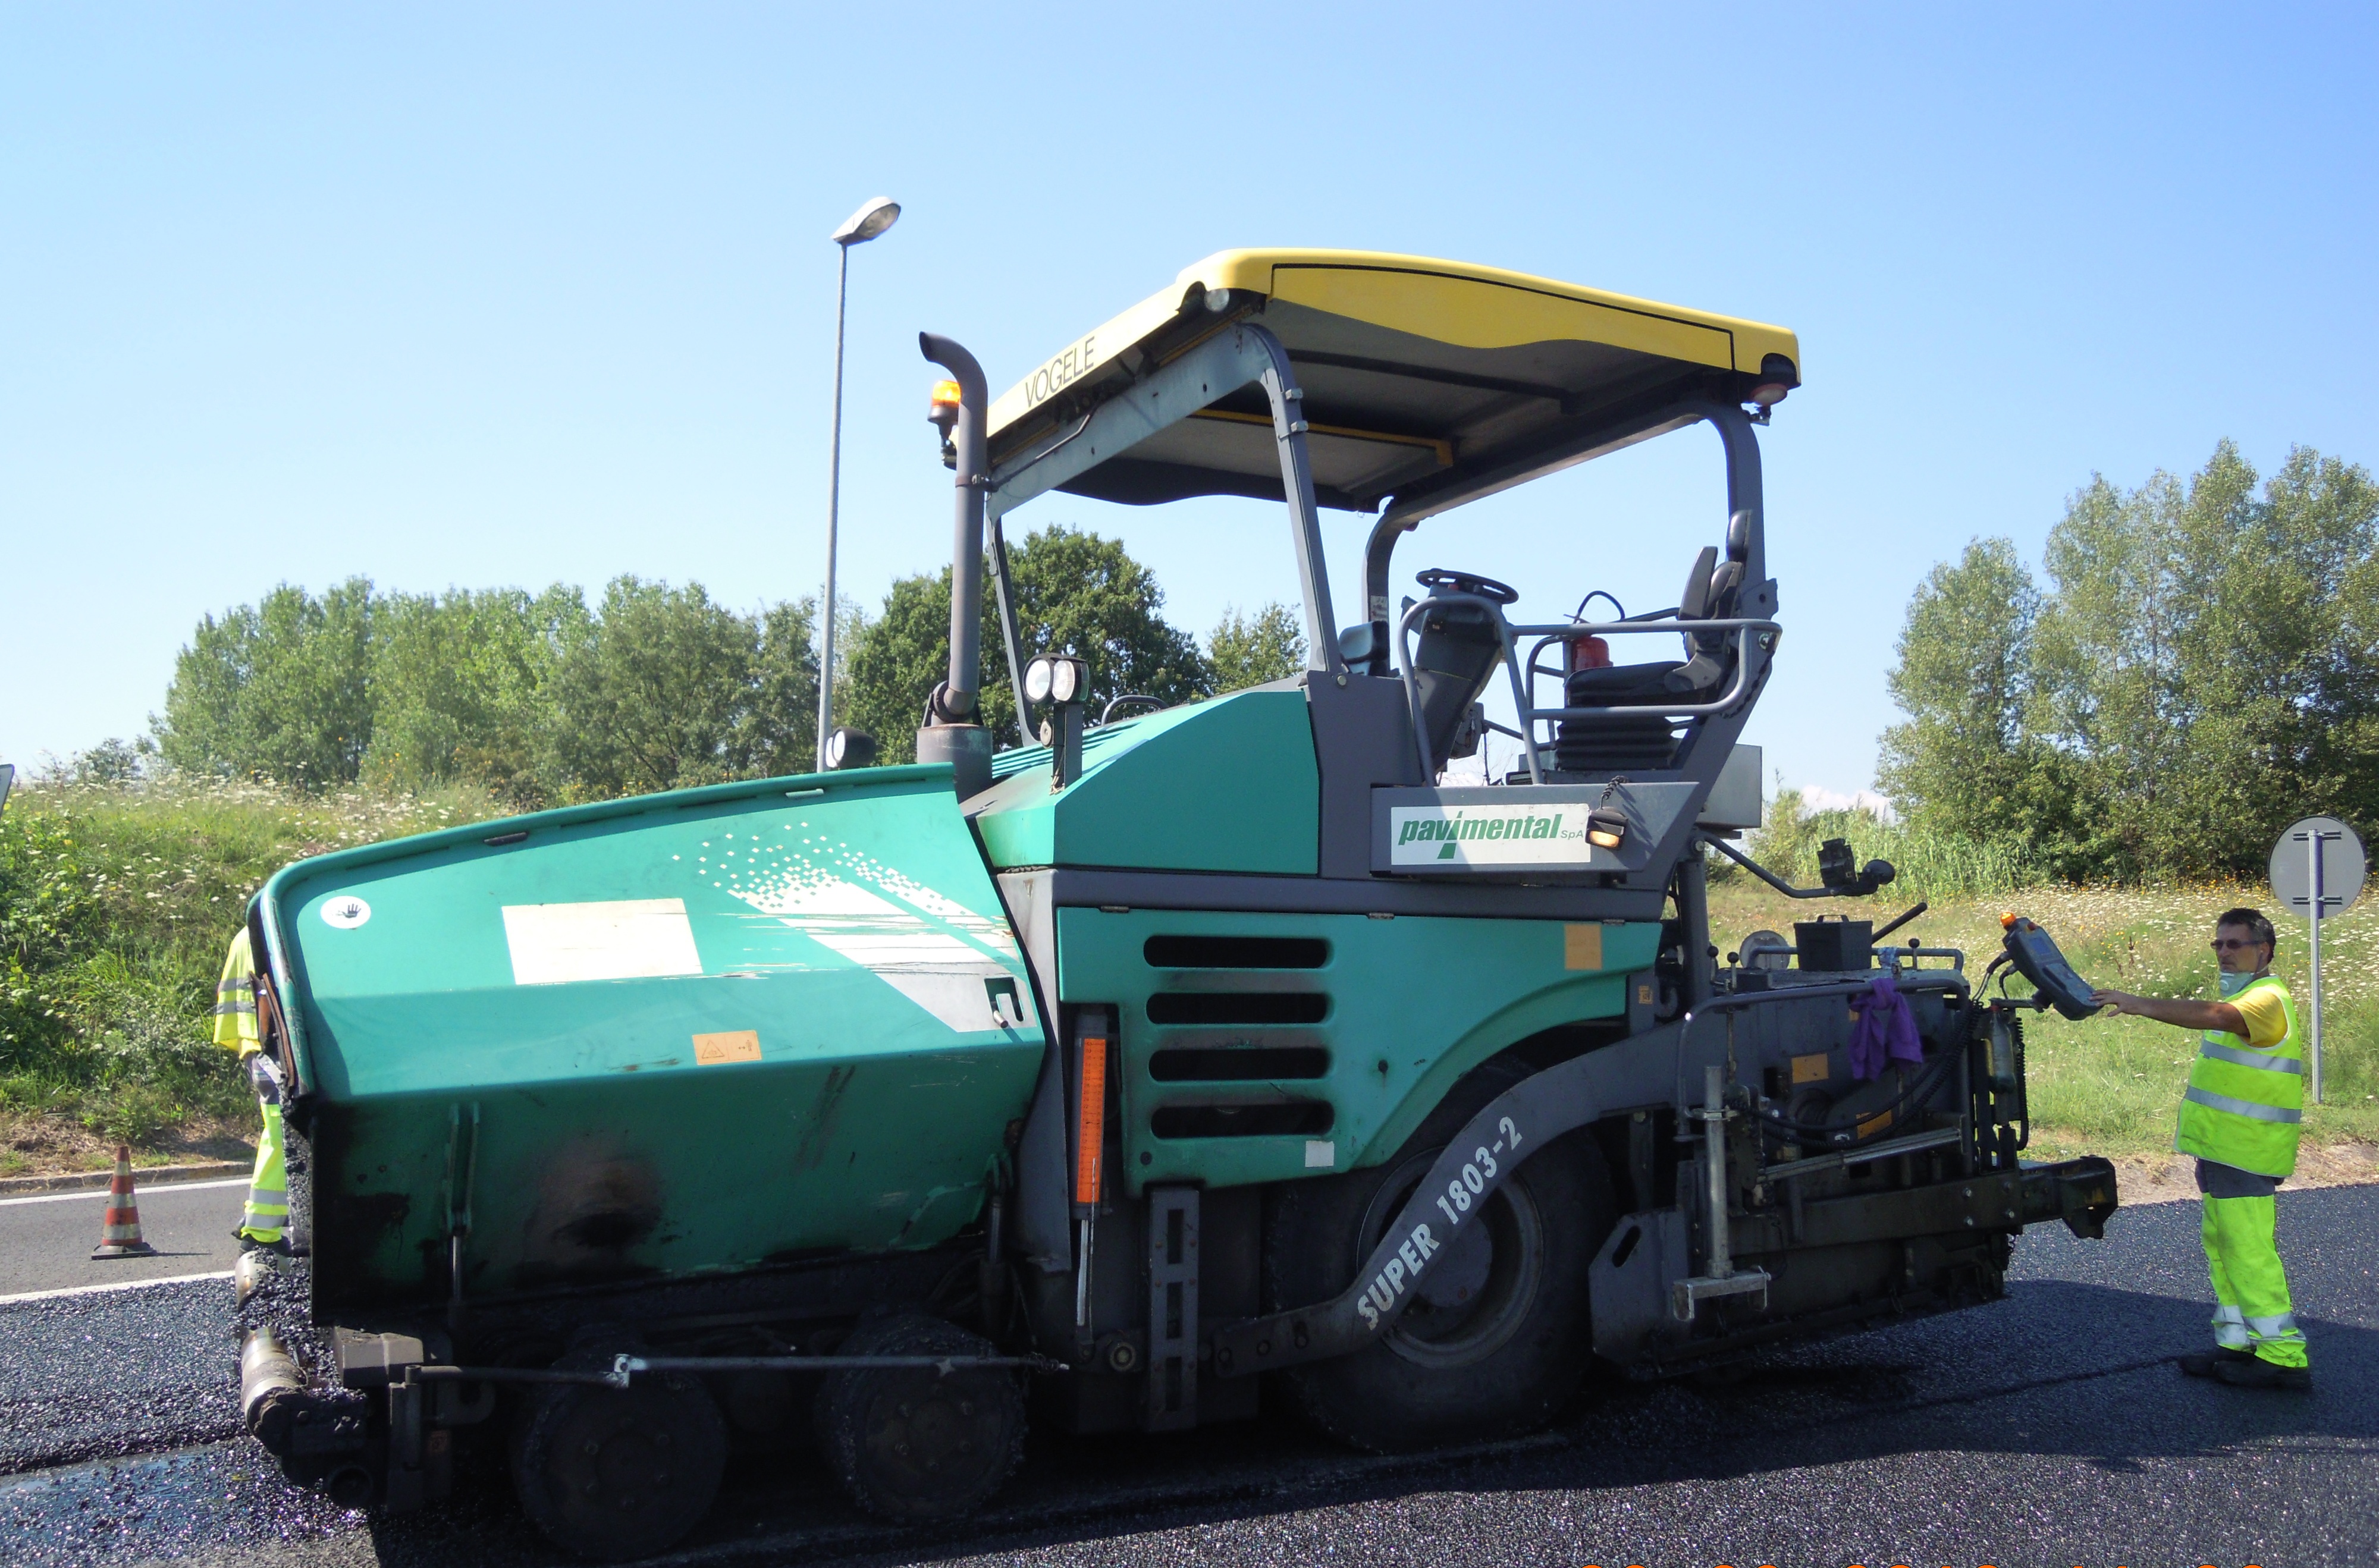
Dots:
pixel 2341 867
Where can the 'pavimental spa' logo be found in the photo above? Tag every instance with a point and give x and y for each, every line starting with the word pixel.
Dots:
pixel 1450 832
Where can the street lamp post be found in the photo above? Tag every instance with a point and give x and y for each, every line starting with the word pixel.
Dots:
pixel 872 219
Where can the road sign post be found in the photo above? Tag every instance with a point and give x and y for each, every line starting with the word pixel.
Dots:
pixel 2317 870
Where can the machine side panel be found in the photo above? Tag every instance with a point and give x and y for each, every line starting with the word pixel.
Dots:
pixel 1222 786
pixel 1265 1047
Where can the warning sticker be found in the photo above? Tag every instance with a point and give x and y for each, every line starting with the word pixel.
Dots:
pixel 737 1046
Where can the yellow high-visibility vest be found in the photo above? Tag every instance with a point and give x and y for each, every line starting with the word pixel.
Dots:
pixel 2245 1104
pixel 234 1009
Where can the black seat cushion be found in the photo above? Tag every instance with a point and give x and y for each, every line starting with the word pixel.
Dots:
pixel 1617 685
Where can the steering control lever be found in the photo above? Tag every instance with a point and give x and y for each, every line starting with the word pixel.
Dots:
pixel 1834 860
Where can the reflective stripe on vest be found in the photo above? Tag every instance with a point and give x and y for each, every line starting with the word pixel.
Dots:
pixel 2247 1109
pixel 2245 1106
pixel 2263 1061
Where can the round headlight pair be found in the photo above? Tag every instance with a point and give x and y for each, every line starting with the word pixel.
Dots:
pixel 1055 679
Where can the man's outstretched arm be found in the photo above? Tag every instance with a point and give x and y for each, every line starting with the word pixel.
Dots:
pixel 2199 1016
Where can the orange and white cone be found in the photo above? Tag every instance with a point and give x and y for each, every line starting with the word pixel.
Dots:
pixel 120 1234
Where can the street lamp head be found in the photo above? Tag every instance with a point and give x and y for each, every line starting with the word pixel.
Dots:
pixel 872 219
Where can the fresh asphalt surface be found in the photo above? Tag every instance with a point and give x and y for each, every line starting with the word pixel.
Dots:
pixel 2051 1427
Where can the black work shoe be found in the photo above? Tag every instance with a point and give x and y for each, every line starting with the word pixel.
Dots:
pixel 249 1244
pixel 2256 1372
pixel 2202 1363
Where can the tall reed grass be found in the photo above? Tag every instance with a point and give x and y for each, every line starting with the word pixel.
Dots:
pixel 1931 865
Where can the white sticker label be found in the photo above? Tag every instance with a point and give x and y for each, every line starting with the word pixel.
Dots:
pixel 616 939
pixel 345 912
pixel 1452 836
pixel 1321 1154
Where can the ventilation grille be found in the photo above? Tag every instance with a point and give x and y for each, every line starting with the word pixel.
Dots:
pixel 1239 1007
pixel 1235 952
pixel 1239 1064
pixel 1307 1118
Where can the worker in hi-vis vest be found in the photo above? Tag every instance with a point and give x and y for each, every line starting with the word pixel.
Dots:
pixel 2239 1117
pixel 263 1223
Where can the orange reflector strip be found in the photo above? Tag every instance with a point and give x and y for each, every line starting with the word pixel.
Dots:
pixel 1095 1121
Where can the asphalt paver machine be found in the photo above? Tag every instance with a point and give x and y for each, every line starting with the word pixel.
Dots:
pixel 1112 1081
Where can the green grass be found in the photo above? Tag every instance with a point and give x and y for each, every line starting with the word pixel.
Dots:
pixel 120 900
pixel 2111 1085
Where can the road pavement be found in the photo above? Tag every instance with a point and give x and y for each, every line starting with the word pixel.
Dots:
pixel 45 1240
pixel 2049 1427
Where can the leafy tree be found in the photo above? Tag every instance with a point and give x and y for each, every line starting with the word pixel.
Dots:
pixel 777 732
pixel 1966 763
pixel 460 686
pixel 1076 593
pixel 896 660
pixel 2197 656
pixel 282 689
pixel 1083 595
pixel 2273 654
pixel 1246 651
pixel 2202 670
pixel 664 689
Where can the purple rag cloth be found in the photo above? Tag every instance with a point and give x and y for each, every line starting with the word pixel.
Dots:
pixel 1886 1031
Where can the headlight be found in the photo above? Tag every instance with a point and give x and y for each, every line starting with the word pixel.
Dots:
pixel 1038 677
pixel 1066 680
pixel 849 748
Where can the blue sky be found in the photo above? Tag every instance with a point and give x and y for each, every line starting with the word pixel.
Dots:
pixel 479 295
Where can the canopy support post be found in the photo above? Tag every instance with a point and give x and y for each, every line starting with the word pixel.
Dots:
pixel 1304 514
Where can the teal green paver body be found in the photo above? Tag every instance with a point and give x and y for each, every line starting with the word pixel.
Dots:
pixel 693 1032
pixel 1407 1007
pixel 1225 786
pixel 702 1031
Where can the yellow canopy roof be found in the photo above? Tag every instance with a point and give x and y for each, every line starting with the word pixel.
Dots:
pixel 1412 369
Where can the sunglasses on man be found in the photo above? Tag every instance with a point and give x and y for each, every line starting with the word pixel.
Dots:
pixel 2232 944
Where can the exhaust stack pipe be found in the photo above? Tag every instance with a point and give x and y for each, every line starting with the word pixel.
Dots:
pixel 952 732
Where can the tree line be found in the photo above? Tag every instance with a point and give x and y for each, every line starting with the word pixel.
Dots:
pixel 2199 668
pixel 547 698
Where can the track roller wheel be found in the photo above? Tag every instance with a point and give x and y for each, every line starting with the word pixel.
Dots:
pixel 919 1446
pixel 1497 1338
pixel 618 1473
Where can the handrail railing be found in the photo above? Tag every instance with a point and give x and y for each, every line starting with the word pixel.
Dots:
pixel 1507 634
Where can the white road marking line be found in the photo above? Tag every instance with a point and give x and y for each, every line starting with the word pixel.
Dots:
pixel 105 1289
pixel 138 1191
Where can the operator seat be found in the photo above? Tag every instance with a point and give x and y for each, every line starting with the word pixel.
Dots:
pixel 1622 741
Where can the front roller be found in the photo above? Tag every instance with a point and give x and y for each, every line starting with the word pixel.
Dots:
pixel 1431 1234
pixel 1490 1342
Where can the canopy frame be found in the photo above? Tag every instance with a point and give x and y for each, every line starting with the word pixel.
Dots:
pixel 1242 354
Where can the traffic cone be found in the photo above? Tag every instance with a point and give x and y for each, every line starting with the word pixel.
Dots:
pixel 120 1234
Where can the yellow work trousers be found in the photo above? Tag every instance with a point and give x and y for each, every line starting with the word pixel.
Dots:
pixel 2250 1286
pixel 267 1215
